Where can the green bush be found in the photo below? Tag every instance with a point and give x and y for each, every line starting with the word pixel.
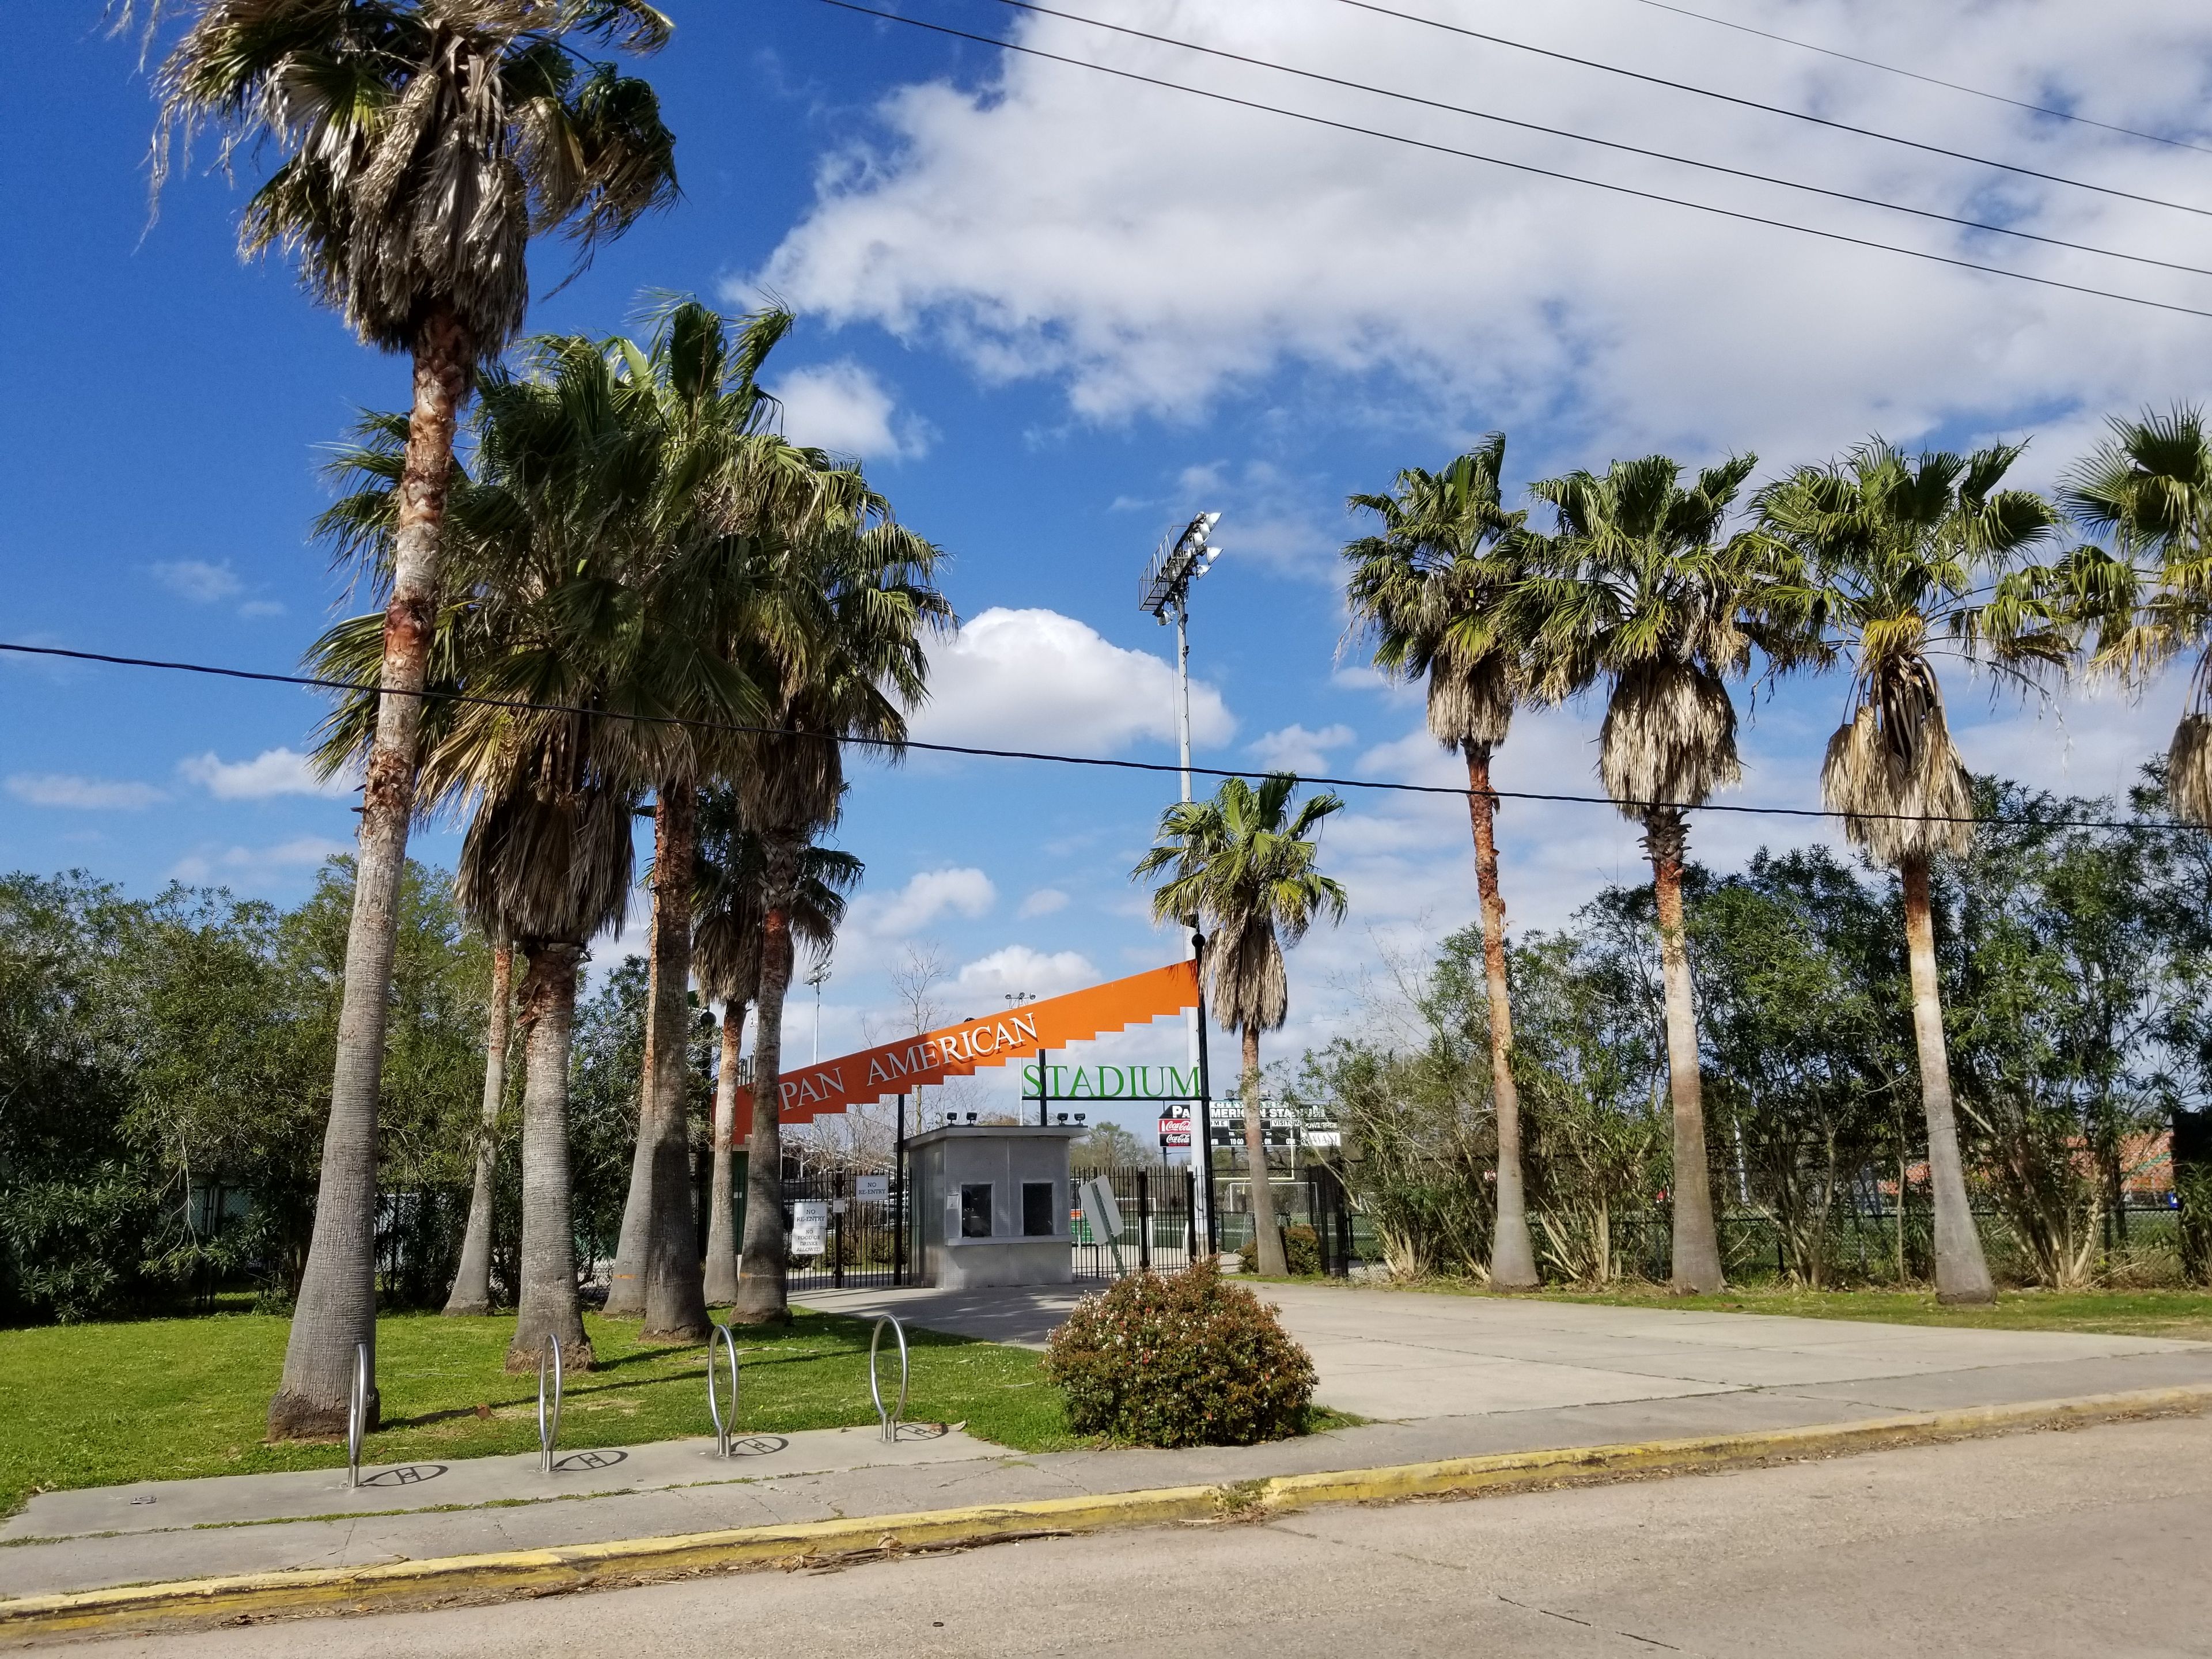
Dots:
pixel 1180 1359
pixel 1301 1251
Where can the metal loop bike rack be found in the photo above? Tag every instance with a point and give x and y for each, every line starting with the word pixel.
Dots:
pixel 725 1429
pixel 889 1419
pixel 549 1428
pixel 357 1415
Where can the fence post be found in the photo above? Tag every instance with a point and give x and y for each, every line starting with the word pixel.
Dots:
pixel 837 1230
pixel 1144 1224
pixel 1190 1217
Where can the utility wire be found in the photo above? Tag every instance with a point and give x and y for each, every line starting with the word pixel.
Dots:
pixel 1520 167
pixel 1770 109
pixel 438 694
pixel 1926 80
pixel 1606 143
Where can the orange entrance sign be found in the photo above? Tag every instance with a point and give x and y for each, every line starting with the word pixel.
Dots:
pixel 961 1050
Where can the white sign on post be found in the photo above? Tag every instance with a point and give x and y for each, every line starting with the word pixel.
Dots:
pixel 809 1223
pixel 873 1189
pixel 1100 1210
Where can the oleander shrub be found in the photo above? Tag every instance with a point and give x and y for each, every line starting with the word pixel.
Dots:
pixel 1301 1252
pixel 1180 1359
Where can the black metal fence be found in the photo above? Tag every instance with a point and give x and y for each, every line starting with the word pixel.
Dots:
pixel 1155 1202
pixel 857 1239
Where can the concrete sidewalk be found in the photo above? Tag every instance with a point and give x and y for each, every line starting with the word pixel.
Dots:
pixel 1461 1376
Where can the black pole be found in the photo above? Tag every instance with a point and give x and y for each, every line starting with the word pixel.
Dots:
pixel 898 1198
pixel 1205 1102
pixel 1044 1090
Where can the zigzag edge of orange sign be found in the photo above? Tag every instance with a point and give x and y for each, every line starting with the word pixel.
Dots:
pixel 961 1050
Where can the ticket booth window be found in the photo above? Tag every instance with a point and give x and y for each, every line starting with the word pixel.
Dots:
pixel 975 1210
pixel 1038 1210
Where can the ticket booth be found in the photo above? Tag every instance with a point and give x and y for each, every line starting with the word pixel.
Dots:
pixel 990 1205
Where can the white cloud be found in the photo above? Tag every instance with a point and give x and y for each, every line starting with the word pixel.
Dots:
pixel 273 772
pixel 1043 902
pixel 250 866
pixel 1148 250
pixel 253 609
pixel 1017 967
pixel 842 406
pixel 929 894
pixel 65 789
pixel 198 580
pixel 1294 749
pixel 1036 679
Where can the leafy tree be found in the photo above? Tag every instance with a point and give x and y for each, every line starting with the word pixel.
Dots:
pixel 1248 868
pixel 1427 592
pixel 422 145
pixel 1890 553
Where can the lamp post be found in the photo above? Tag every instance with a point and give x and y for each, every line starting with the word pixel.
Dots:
pixel 1165 591
pixel 815 978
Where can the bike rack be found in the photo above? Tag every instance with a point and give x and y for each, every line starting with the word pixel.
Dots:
pixel 548 1429
pixel 724 1430
pixel 357 1415
pixel 889 1419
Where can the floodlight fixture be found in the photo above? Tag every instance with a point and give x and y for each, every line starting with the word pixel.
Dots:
pixel 1179 558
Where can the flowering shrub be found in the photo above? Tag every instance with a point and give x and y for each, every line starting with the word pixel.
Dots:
pixel 1180 1359
pixel 1301 1252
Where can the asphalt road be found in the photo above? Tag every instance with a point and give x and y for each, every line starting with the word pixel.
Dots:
pixel 2094 1541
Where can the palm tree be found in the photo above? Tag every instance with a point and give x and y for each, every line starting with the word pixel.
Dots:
pixel 471 1291
pixel 1245 867
pixel 701 418
pixel 2149 486
pixel 1893 553
pixel 727 908
pixel 1644 595
pixel 421 146
pixel 840 611
pixel 548 858
pixel 1427 592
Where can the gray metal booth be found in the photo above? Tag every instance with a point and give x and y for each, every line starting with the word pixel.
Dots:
pixel 990 1205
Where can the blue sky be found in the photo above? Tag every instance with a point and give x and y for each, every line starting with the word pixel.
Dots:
pixel 1056 312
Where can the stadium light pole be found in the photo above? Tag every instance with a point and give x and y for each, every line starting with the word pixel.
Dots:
pixel 1180 559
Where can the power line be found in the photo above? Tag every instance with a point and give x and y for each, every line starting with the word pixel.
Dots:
pixel 1605 143
pixel 1770 109
pixel 1926 80
pixel 437 694
pixel 1522 166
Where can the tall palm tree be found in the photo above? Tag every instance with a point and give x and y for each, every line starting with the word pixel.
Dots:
pixel 840 610
pixel 2148 599
pixel 1645 596
pixel 728 908
pixel 1427 592
pixel 1246 866
pixel 548 858
pixel 471 1291
pixel 422 144
pixel 703 420
pixel 1895 553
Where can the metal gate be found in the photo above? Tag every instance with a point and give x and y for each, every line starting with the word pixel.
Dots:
pixel 1156 1206
pixel 859 1237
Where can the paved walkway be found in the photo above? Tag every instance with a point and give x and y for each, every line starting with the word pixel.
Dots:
pixel 1445 1376
pixel 1403 1355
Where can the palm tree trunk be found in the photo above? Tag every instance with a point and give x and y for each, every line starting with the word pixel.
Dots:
pixel 336 1306
pixel 761 1292
pixel 721 1230
pixel 1266 1236
pixel 545 1304
pixel 675 1299
pixel 1961 1272
pixel 1697 1241
pixel 626 1277
pixel 472 1292
pixel 1512 1257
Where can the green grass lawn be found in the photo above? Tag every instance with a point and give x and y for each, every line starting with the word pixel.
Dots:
pixel 2183 1314
pixel 168 1399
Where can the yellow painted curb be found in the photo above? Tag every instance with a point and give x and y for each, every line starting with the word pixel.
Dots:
pixel 249 1596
